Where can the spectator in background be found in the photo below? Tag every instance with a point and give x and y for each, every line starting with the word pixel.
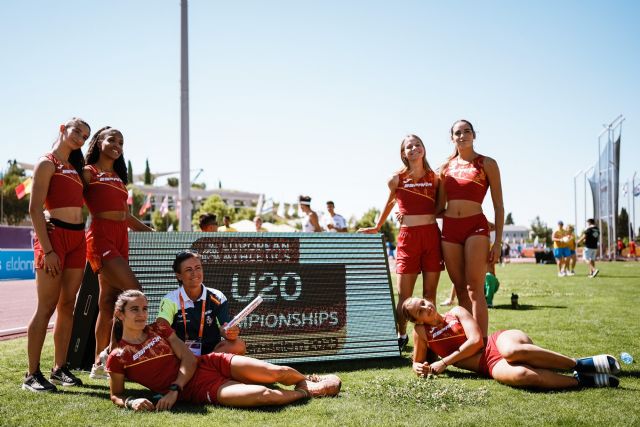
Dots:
pixel 591 237
pixel 227 225
pixel 632 249
pixel 619 247
pixel 208 222
pixel 506 253
pixel 560 249
pixel 334 223
pixel 258 222
pixel 310 223
pixel 571 245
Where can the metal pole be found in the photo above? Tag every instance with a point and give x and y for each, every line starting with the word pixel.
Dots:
pixel 585 195
pixel 612 210
pixel 633 201
pixel 599 190
pixel 629 208
pixel 185 182
pixel 575 200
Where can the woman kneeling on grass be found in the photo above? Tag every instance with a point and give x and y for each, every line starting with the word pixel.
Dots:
pixel 510 356
pixel 156 358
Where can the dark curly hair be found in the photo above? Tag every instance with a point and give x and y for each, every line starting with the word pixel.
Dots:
pixel 93 154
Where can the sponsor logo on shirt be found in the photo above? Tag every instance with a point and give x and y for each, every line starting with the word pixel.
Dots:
pixel 144 349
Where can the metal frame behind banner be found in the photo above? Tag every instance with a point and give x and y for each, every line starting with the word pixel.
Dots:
pixel 327 296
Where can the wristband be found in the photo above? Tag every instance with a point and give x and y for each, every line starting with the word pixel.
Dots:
pixel 175 387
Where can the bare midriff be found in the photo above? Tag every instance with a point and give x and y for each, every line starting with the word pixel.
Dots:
pixel 416 220
pixel 112 215
pixel 69 214
pixel 462 208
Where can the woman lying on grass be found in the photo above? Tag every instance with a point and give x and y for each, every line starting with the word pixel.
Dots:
pixel 156 358
pixel 510 356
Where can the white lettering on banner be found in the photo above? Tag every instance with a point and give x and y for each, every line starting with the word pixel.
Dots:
pixel 19 264
pixel 150 344
pixel 270 287
pixel 291 320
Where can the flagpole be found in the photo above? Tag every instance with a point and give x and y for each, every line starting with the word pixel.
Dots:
pixel 185 182
pixel 633 200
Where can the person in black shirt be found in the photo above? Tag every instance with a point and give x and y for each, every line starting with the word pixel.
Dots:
pixel 591 237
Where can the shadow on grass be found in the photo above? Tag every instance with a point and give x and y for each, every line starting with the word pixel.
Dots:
pixel 354 365
pixel 628 374
pixel 527 307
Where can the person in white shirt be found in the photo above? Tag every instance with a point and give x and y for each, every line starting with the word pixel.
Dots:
pixel 333 222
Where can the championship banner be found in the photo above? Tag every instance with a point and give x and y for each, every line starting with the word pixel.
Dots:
pixel 326 296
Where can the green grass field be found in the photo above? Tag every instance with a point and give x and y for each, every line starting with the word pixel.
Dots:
pixel 574 315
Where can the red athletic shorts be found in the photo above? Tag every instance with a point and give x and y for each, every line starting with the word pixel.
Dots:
pixel 419 249
pixel 491 356
pixel 214 369
pixel 106 239
pixel 458 230
pixel 68 244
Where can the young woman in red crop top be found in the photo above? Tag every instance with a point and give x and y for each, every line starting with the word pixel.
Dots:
pixel 415 189
pixel 59 253
pixel 464 181
pixel 107 239
pixel 510 356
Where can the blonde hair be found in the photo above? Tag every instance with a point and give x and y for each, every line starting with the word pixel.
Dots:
pixel 405 161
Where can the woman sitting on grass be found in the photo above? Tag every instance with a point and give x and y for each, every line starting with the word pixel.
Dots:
pixel 510 356
pixel 156 358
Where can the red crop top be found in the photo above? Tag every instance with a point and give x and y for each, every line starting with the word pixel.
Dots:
pixel 106 192
pixel 417 197
pixel 466 181
pixel 65 187
pixel 446 339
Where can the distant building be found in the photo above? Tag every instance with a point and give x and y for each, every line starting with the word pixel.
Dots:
pixel 515 233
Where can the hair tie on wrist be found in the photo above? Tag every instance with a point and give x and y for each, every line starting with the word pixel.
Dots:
pixel 47 253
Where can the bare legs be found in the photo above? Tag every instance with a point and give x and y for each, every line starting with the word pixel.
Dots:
pixel 53 292
pixel 467 267
pixel 115 277
pixel 528 365
pixel 236 346
pixel 406 284
pixel 246 390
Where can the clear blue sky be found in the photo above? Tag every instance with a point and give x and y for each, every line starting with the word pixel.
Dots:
pixel 291 97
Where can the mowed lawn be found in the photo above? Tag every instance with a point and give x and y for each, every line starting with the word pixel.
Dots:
pixel 574 315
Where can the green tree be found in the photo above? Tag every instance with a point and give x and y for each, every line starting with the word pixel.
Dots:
pixel 15 210
pixel 540 230
pixel 173 182
pixel 509 220
pixel 200 185
pixel 215 205
pixel 129 172
pixel 623 224
pixel 138 200
pixel 389 229
pixel 148 178
pixel 162 223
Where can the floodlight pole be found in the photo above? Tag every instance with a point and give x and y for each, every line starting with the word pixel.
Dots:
pixel 575 199
pixel 185 183
pixel 633 202
pixel 585 195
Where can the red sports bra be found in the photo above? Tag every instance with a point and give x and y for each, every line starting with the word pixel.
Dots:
pixel 65 188
pixel 466 181
pixel 106 192
pixel 417 197
pixel 446 339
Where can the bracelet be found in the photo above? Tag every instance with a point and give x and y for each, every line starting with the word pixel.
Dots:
pixel 127 403
pixel 445 363
pixel 47 253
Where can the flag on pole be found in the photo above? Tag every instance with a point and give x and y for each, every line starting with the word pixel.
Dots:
pixel 625 188
pixel 146 205
pixel 24 188
pixel 281 210
pixel 267 207
pixel 636 191
pixel 130 197
pixel 164 207
pixel 292 210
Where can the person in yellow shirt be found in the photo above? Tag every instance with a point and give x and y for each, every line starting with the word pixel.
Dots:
pixel 560 250
pixel 571 244
pixel 227 225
